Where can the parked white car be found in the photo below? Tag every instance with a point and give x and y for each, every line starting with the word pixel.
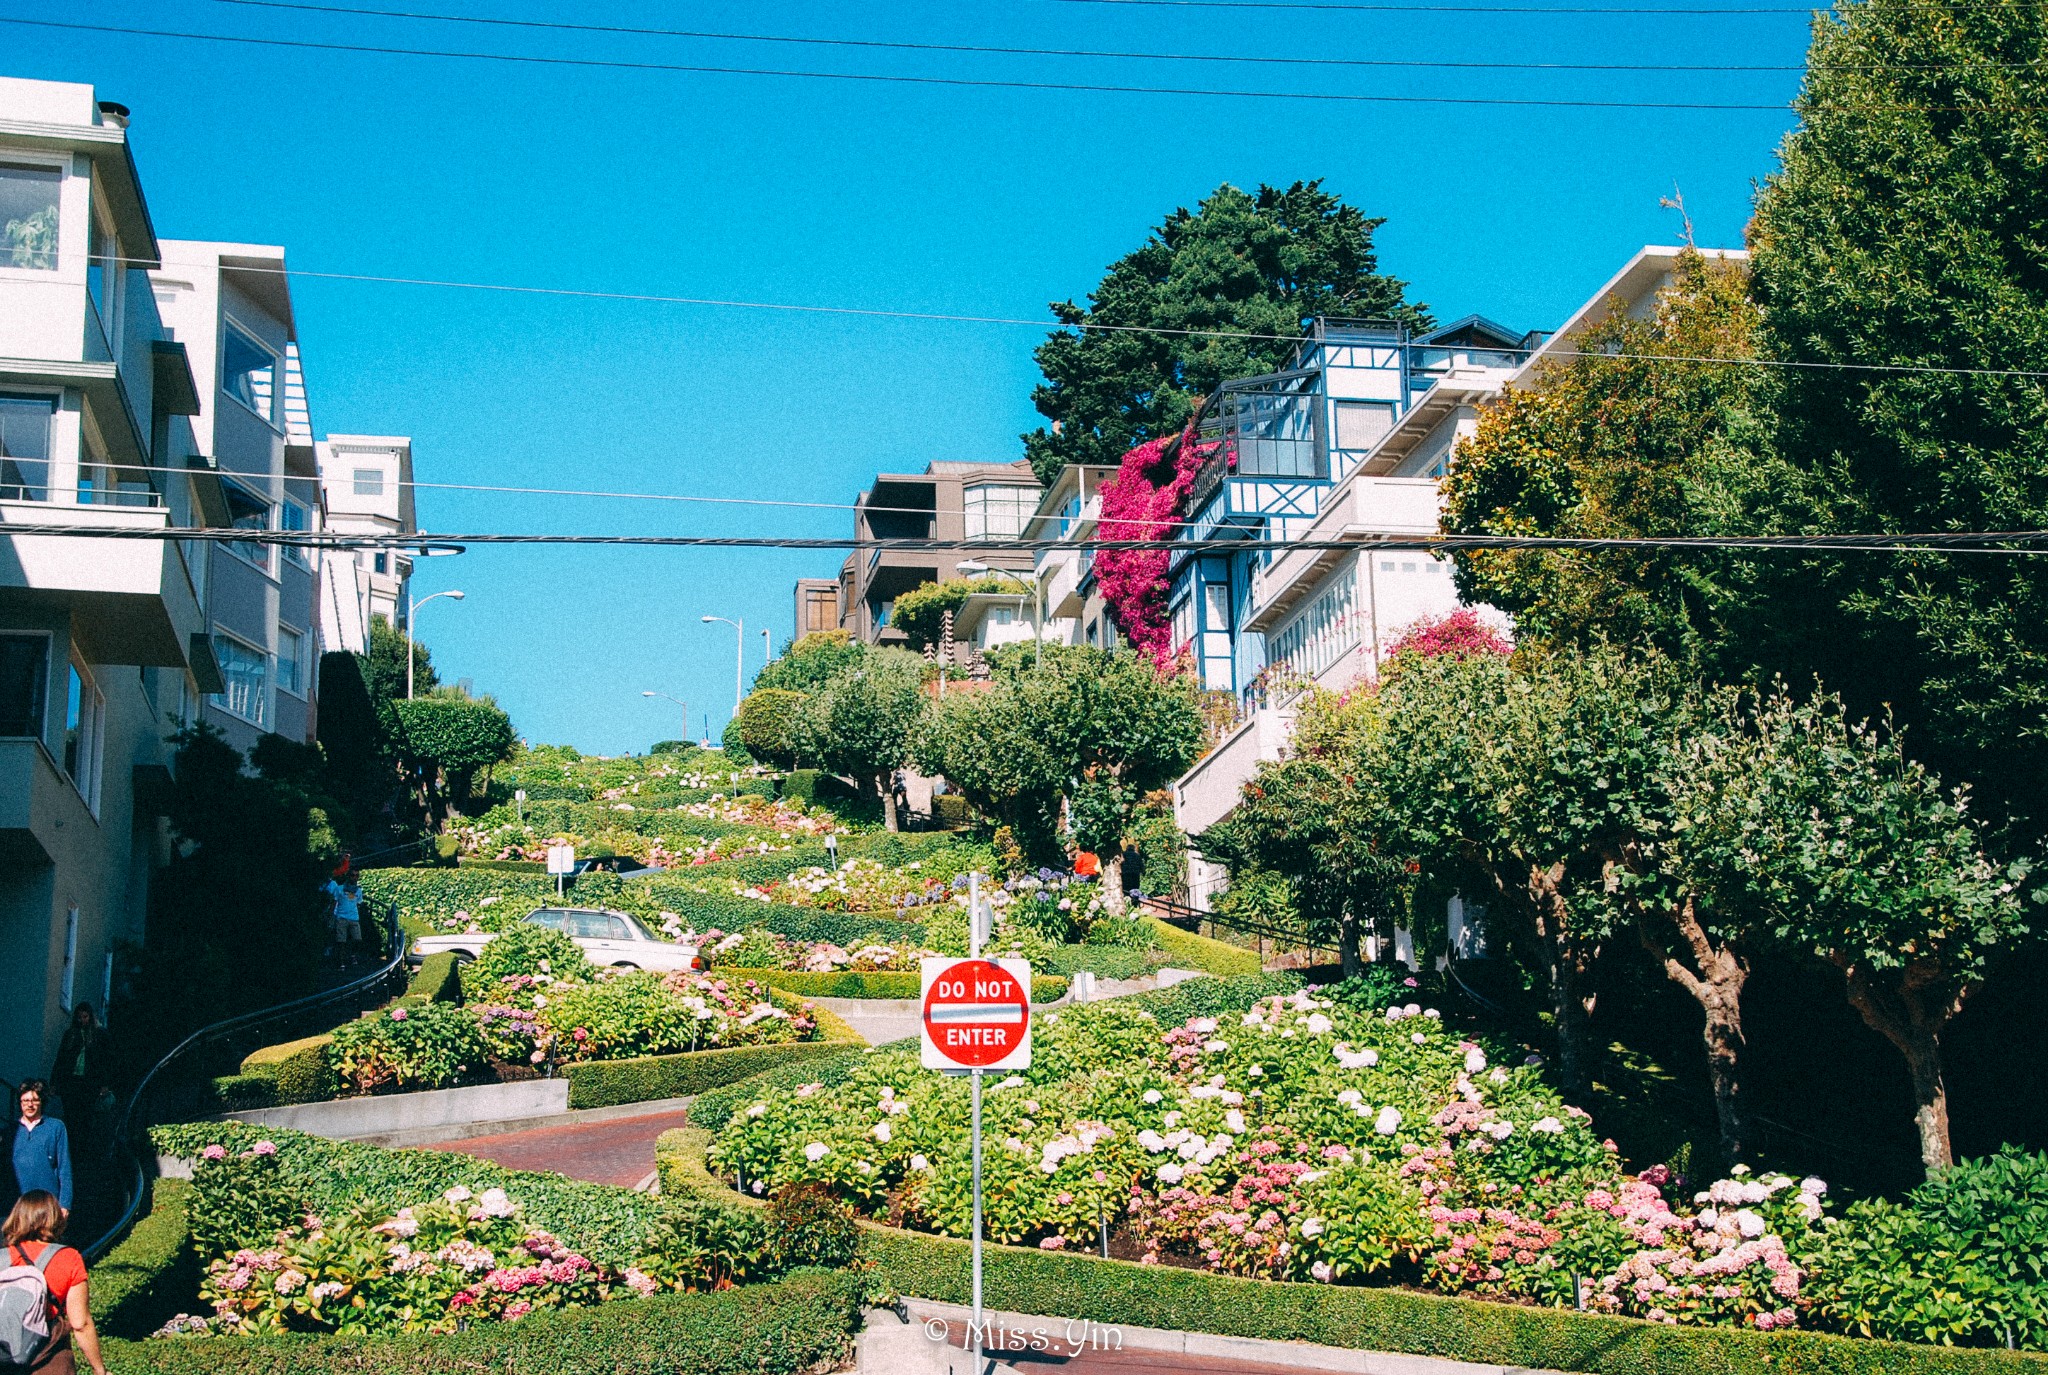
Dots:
pixel 617 939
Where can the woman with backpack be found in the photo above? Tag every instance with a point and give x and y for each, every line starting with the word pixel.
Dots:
pixel 43 1305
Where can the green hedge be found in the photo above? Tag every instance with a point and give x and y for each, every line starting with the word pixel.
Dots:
pixel 437 980
pixel 1186 950
pixel 606 1083
pixel 714 1108
pixel 801 785
pixel 299 1069
pixel 436 895
pixel 847 983
pixel 152 1274
pixel 1121 1294
pixel 502 866
pixel 1103 961
pixel 803 1323
pixel 606 1223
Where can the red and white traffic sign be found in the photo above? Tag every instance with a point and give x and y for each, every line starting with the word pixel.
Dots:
pixel 977 1014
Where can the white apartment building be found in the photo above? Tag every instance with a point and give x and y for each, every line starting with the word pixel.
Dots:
pixel 103 643
pixel 230 306
pixel 367 484
pixel 1070 511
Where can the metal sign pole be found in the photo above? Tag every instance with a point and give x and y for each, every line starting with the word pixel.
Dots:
pixel 974 952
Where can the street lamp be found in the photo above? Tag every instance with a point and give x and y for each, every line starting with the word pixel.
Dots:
pixel 679 702
pixel 739 662
pixel 975 568
pixel 412 609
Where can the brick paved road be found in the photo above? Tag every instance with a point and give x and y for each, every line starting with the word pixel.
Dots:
pixel 1057 1361
pixel 619 1152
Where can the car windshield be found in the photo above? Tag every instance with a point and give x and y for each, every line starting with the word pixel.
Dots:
pixel 550 917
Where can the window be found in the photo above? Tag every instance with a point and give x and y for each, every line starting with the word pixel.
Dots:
pixel 294 515
pixel 103 280
pixel 291 661
pixel 24 662
pixel 248 372
pixel 28 215
pixel 381 562
pixel 995 512
pixel 25 423
pixel 1216 602
pixel 369 482
pixel 1360 424
pixel 247 672
pixel 248 512
pixel 84 717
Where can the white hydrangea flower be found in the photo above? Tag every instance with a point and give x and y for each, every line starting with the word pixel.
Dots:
pixel 1234 1121
pixel 1311 1227
pixel 1475 1060
pixel 758 1110
pixel 1170 1174
pixel 918 1162
pixel 816 1151
pixel 1388 1122
pixel 1153 1095
pixel 1549 1126
pixel 881 1132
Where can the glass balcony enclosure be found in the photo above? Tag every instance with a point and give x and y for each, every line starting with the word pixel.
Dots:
pixel 28 215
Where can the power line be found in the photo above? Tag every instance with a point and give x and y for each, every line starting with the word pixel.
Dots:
pixel 2001 542
pixel 995 50
pixel 1395 7
pixel 1339 97
pixel 1085 326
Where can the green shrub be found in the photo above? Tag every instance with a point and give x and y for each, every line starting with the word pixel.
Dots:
pixel 1118 1293
pixel 434 896
pixel 242 1092
pixel 153 1272
pixel 525 951
pixel 503 866
pixel 426 1046
pixel 849 983
pixel 604 1223
pixel 952 811
pixel 437 980
pixel 1186 950
pixel 1103 961
pixel 605 1083
pixel 1962 1261
pixel 713 1109
pixel 801 785
pixel 300 1069
pixel 802 1323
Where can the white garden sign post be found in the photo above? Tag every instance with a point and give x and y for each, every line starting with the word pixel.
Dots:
pixel 561 863
pixel 977 1016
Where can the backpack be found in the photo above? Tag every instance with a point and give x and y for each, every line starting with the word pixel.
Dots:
pixel 25 1308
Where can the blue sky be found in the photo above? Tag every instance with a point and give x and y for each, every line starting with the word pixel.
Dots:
pixel 921 198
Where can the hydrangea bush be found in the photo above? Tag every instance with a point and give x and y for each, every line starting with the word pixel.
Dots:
pixel 1299 1139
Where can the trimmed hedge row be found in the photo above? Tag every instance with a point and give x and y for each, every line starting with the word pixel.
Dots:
pixel 436 895
pixel 848 983
pixel 437 980
pixel 1186 950
pixel 607 1083
pixel 152 1274
pixel 1103 961
pixel 805 1322
pixel 1120 1293
pixel 713 1109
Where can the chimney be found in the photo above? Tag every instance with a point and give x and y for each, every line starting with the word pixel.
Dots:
pixel 113 112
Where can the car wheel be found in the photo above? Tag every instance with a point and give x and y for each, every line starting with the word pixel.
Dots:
pixel 622 964
pixel 463 957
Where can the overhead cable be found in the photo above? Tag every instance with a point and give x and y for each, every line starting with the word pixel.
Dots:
pixel 985 49
pixel 889 78
pixel 1083 326
pixel 2001 542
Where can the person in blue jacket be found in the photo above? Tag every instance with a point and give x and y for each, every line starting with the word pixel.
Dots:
pixel 42 1148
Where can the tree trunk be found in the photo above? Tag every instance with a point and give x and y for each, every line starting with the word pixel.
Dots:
pixel 1347 941
pixel 1909 1009
pixel 1715 980
pixel 888 794
pixel 1569 961
pixel 1113 880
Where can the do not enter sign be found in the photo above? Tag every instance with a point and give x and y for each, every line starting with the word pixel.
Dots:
pixel 977 1014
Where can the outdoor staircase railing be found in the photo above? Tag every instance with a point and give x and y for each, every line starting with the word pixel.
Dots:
pixel 136 1115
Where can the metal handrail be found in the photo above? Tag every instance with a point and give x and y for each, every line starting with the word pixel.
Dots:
pixel 125 1124
pixel 1178 912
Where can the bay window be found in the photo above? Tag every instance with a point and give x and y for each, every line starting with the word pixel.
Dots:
pixel 85 714
pixel 998 512
pixel 248 372
pixel 247 673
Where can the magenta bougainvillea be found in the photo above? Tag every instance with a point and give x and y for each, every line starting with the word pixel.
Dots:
pixel 1146 500
pixel 1461 633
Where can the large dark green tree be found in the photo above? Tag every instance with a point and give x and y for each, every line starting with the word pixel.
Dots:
pixel 1242 263
pixel 1905 229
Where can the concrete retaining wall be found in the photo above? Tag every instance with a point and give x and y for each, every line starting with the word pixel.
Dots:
pixel 355 1118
